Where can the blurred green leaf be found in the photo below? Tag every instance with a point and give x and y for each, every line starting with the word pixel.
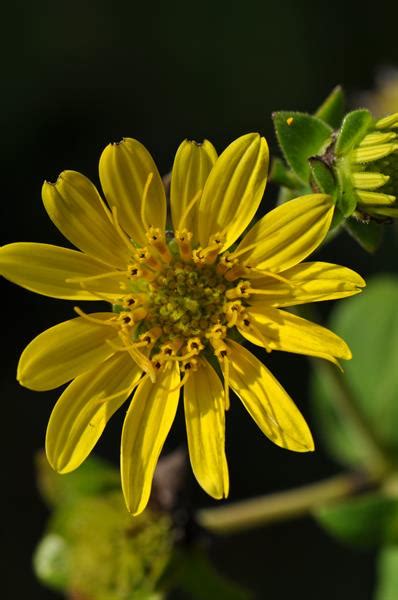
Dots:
pixel 301 136
pixel 369 323
pixel 387 585
pixel 368 520
pixel 323 176
pixel 368 235
pixel 353 129
pixel 51 561
pixel 93 477
pixel 332 109
pixel 191 572
pixel 95 547
pixel 281 175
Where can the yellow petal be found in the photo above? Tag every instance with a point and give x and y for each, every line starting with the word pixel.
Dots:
pixel 267 402
pixel 124 169
pixel 81 413
pixel 64 351
pixel 205 422
pixel 75 207
pixel 192 165
pixel 285 331
pixel 287 234
pixel 147 423
pixel 46 269
pixel 307 282
pixel 234 189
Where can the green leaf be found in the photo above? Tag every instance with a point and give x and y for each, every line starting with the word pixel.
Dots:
pixel 368 520
pixel 369 324
pixel 301 136
pixel 332 109
pixel 95 476
pixel 353 129
pixel 347 198
pixel 387 585
pixel 323 176
pixel 192 572
pixel 368 235
pixel 51 561
pixel 281 175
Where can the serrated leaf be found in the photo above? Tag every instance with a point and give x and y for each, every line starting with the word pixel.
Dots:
pixel 300 136
pixel 353 129
pixel 368 520
pixel 368 235
pixel 323 176
pixel 332 108
pixel 387 568
pixel 369 324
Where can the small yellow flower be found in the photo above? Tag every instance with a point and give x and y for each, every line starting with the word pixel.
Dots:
pixel 180 301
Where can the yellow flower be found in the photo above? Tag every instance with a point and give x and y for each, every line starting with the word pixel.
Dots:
pixel 180 302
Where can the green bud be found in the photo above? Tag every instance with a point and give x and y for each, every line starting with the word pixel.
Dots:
pixel 366 164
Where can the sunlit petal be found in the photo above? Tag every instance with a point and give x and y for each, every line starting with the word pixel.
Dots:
pixel 205 423
pixel 124 170
pixel 147 423
pixel 75 207
pixel 81 413
pixel 285 331
pixel 192 165
pixel 234 189
pixel 58 272
pixel 287 234
pixel 267 402
pixel 307 282
pixel 65 351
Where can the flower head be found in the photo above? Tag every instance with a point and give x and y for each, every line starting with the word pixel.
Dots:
pixel 370 166
pixel 180 302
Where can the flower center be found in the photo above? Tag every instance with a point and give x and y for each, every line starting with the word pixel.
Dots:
pixel 187 301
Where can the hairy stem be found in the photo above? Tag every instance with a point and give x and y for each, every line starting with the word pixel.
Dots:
pixel 247 514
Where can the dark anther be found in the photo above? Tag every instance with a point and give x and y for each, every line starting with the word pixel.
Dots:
pixel 246 322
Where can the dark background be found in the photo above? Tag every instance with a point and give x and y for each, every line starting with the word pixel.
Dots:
pixel 78 75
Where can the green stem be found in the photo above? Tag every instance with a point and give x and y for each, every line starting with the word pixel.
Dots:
pixel 345 402
pixel 246 514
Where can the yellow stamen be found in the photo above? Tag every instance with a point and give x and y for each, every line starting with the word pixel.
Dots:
pixel 156 239
pixel 182 382
pixel 226 382
pixel 188 209
pixel 123 236
pixel 242 290
pixel 183 239
pixel 95 277
pixel 246 323
pixel 144 200
pixel 126 391
pixel 94 319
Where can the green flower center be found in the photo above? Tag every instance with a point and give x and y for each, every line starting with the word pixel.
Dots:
pixel 186 300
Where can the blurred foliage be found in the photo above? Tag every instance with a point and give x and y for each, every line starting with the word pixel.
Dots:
pixel 369 323
pixel 95 550
pixel 387 588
